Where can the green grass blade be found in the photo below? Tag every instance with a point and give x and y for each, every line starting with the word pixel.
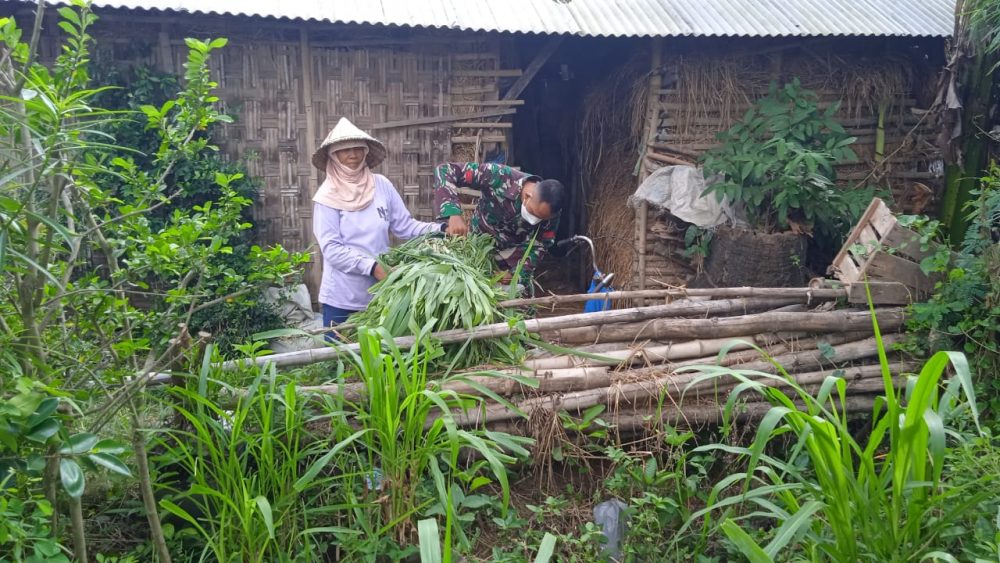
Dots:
pixel 430 544
pixel 264 506
pixel 745 543
pixel 793 527
pixel 546 549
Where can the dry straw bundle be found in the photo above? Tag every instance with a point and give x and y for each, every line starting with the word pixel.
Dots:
pixel 610 130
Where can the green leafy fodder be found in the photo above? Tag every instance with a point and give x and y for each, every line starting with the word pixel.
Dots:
pixel 442 283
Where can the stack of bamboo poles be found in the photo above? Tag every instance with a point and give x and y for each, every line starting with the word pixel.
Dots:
pixel 638 362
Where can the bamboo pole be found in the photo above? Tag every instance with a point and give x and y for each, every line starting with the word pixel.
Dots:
pixel 650 390
pixel 665 159
pixel 816 359
pixel 649 135
pixel 548 381
pixel 831 321
pixel 693 416
pixel 807 293
pixel 558 380
pixel 773 348
pixel 501 330
pixel 702 348
pixel 641 355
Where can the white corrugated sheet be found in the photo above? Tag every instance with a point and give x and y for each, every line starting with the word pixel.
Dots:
pixel 621 18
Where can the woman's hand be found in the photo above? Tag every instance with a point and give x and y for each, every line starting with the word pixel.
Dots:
pixel 379 272
pixel 457 226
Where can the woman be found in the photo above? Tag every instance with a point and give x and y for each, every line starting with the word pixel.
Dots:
pixel 354 211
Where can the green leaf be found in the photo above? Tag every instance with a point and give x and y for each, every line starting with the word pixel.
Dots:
pixel 590 414
pixel 179 512
pixel 546 549
pixel 430 544
pixel 45 408
pixel 939 556
pixel 44 430
pixel 265 511
pixel 70 15
pixel 72 477
pixel 792 527
pixel 109 446
pixel 307 478
pixel 79 444
pixel 110 462
pixel 745 543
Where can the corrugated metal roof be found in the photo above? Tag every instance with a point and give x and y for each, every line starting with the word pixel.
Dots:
pixel 602 18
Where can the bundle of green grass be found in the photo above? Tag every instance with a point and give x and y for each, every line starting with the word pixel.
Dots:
pixel 448 280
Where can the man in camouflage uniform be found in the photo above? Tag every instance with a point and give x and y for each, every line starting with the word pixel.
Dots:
pixel 520 211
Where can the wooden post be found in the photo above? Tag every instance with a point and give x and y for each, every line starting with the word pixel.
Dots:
pixel 315 273
pixel 652 113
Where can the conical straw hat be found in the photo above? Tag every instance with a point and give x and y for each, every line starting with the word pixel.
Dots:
pixel 347 131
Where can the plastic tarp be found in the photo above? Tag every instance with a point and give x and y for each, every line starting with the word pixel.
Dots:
pixel 294 305
pixel 678 189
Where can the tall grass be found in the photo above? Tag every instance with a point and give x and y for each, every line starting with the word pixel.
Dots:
pixel 238 475
pixel 882 499
pixel 409 442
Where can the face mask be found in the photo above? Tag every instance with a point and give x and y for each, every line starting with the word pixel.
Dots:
pixel 527 216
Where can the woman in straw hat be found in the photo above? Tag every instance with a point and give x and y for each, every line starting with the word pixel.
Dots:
pixel 354 211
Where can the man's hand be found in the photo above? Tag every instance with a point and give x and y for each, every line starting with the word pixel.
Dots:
pixel 379 273
pixel 457 226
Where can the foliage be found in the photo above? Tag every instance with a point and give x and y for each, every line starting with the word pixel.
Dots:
pixel 778 163
pixel 971 81
pixel 840 499
pixel 964 311
pixel 522 535
pixel 236 475
pixel 430 550
pixel 443 283
pixel 195 181
pixel 411 440
pixel 25 532
pixel 662 493
pixel 975 535
pixel 75 254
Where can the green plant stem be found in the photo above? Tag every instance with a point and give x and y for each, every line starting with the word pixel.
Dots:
pixel 51 481
pixel 146 486
pixel 78 528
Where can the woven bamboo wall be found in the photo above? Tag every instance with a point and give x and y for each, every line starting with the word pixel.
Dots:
pixel 287 85
pixel 703 95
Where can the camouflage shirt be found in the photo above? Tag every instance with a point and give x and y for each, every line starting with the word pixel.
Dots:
pixel 498 213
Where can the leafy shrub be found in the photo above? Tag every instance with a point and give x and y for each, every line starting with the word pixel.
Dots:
pixel 74 254
pixel 194 183
pixel 964 311
pixel 778 163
